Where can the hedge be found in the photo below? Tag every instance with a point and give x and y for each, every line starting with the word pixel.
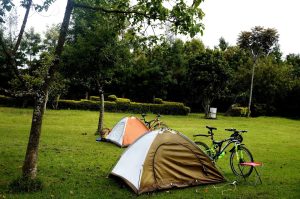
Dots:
pixel 169 108
pixel 120 105
pixel 95 98
pixel 7 101
pixel 15 102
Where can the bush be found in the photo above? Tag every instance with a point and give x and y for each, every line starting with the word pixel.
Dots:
pixel 25 185
pixel 158 101
pixel 237 110
pixel 95 98
pixel 262 109
pixel 7 101
pixel 123 100
pixel 112 98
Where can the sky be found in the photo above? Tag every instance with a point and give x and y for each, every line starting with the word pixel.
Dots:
pixel 223 18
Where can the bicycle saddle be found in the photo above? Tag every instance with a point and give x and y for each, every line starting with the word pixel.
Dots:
pixel 211 128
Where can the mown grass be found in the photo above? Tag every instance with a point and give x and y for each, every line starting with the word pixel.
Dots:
pixel 73 165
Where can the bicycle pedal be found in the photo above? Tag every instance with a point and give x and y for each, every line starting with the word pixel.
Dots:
pixel 234 182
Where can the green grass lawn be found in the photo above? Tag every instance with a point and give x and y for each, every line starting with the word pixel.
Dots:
pixel 73 165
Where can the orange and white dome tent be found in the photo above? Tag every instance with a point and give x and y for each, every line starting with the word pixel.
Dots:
pixel 162 159
pixel 126 131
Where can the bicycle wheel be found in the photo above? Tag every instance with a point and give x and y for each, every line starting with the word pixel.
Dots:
pixel 204 148
pixel 240 156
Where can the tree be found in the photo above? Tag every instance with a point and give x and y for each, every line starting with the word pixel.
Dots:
pixel 273 83
pixel 30 47
pixel 176 68
pixel 92 56
pixel 184 19
pixel 289 105
pixel 59 85
pixel 240 68
pixel 223 45
pixel 30 162
pixel 294 60
pixel 258 42
pixel 193 48
pixel 208 76
pixel 6 5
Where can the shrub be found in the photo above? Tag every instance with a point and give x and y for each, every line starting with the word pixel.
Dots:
pixel 158 101
pixel 123 100
pixel 112 98
pixel 95 98
pixel 262 109
pixel 7 101
pixel 237 110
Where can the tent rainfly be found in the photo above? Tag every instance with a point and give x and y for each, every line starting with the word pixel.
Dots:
pixel 163 159
pixel 126 131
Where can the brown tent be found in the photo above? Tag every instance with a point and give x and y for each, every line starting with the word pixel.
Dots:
pixel 164 159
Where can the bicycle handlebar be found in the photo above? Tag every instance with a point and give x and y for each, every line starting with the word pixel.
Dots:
pixel 236 131
pixel 231 129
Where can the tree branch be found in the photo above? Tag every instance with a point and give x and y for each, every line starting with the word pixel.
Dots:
pixel 28 6
pixel 11 55
pixel 11 61
pixel 79 5
pixel 60 44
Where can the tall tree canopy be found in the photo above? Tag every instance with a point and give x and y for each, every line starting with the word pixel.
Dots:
pixel 259 42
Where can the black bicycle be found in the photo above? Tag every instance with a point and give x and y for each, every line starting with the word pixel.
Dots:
pixel 239 153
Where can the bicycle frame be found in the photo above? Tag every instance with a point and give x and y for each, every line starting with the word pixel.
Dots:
pixel 229 142
pixel 239 154
pixel 150 124
pixel 217 149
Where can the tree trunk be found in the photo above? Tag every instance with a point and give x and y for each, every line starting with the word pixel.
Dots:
pixel 30 162
pixel 251 87
pixel 46 100
pixel 101 114
pixel 56 102
pixel 206 105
